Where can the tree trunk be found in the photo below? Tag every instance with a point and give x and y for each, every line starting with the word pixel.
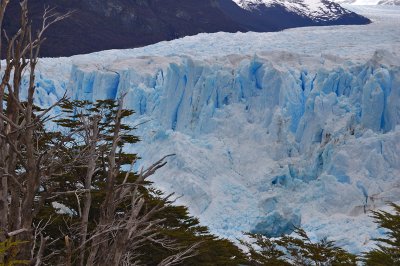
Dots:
pixel 92 141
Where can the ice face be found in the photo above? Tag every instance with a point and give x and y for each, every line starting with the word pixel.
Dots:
pixel 268 130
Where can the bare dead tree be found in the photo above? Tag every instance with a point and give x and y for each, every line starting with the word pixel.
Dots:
pixel 4 179
pixel 28 171
pixel 3 7
pixel 122 236
pixel 92 138
pixel 22 165
pixel 117 234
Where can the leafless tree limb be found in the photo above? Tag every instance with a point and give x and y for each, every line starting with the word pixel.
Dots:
pixel 178 258
pixel 20 167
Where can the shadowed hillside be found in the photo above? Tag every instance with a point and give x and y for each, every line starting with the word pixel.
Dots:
pixel 117 24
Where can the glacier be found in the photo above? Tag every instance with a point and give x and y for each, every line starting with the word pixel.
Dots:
pixel 299 127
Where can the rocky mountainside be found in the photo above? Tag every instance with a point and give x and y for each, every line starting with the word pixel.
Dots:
pixel 111 24
pixel 116 24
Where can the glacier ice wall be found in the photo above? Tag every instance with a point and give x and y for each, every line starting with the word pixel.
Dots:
pixel 261 145
pixel 185 94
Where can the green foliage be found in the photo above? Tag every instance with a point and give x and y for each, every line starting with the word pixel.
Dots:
pixel 297 250
pixel 8 250
pixel 302 251
pixel 186 230
pixel 264 251
pixel 388 249
pixel 80 112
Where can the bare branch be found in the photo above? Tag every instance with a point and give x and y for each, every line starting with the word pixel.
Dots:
pixel 17 232
pixel 153 168
pixel 178 258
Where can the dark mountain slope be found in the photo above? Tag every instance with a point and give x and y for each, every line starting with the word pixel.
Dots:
pixel 116 24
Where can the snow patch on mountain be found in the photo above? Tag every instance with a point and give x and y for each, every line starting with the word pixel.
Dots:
pixel 269 129
pixel 369 2
pixel 314 9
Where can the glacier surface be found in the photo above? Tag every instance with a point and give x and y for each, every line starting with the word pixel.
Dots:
pixel 269 129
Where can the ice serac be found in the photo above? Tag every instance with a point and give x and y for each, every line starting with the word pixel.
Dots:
pixel 185 94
